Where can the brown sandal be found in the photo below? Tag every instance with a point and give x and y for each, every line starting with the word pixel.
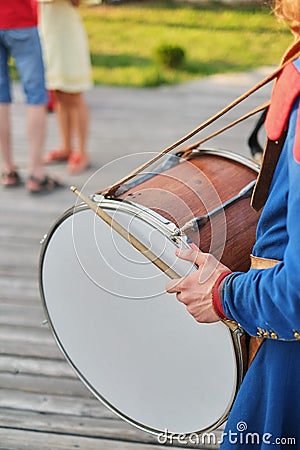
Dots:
pixel 11 179
pixel 44 186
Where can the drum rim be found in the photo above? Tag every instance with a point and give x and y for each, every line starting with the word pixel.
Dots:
pixel 236 344
pixel 226 154
pixel 167 227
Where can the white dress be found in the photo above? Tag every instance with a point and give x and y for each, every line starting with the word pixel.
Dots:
pixel 65 47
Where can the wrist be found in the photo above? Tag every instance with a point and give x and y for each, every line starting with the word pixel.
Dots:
pixel 216 295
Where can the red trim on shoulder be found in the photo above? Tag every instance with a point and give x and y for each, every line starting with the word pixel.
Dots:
pixel 285 92
pixel 216 297
pixel 296 149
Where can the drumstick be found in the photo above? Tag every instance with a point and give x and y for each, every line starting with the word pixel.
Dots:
pixel 186 151
pixel 126 235
pixel 231 324
pixel 290 57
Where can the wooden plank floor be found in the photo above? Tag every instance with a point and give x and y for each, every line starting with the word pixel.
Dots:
pixel 42 402
pixel 43 405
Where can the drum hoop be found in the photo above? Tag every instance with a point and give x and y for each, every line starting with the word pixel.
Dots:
pixel 226 154
pixel 144 213
pixel 238 353
pixel 167 227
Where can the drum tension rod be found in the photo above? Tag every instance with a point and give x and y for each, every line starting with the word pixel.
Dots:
pixel 200 221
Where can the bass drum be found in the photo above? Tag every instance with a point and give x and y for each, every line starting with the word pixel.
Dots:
pixel 194 186
pixel 136 347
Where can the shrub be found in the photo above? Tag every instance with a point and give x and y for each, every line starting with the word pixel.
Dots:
pixel 170 56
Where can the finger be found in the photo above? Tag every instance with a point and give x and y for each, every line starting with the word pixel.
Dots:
pixel 173 286
pixel 194 247
pixel 192 255
pixel 187 254
pixel 181 298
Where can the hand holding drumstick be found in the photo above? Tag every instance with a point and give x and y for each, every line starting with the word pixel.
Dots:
pixel 196 289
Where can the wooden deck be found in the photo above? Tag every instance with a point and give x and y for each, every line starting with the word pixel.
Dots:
pixel 43 405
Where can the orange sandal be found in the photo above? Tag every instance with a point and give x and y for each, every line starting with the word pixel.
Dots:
pixel 77 163
pixel 56 155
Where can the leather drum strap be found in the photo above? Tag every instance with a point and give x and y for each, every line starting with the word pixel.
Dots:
pixel 270 158
pixel 272 150
pixel 255 342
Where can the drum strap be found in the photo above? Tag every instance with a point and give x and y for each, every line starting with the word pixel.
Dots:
pixel 256 342
pixel 291 54
pixel 271 155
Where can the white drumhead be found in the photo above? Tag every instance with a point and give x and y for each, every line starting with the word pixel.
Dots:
pixel 134 345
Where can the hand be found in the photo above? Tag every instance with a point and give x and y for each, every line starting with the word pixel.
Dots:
pixel 195 290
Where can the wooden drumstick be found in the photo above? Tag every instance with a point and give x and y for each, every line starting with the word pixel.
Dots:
pixel 231 324
pixel 138 245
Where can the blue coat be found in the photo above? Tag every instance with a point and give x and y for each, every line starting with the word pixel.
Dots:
pixel 267 302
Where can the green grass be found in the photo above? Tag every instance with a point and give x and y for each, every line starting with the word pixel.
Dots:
pixel 216 39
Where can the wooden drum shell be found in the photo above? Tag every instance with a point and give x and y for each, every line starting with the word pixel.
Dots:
pixel 196 186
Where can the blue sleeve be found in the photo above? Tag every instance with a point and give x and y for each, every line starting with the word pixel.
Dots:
pixel 267 302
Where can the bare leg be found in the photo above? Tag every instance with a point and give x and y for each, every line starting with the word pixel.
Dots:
pixel 81 123
pixel 63 116
pixel 5 138
pixel 38 181
pixel 73 122
pixel 36 127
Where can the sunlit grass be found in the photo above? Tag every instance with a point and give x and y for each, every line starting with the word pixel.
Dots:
pixel 216 39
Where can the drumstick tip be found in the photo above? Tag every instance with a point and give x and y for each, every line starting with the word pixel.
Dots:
pixel 73 188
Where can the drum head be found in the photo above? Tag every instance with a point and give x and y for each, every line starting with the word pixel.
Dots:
pixel 135 346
